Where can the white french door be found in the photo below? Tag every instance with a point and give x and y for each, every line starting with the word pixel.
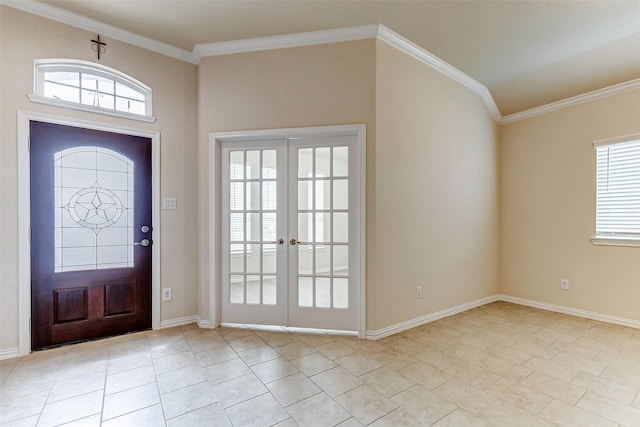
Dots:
pixel 290 232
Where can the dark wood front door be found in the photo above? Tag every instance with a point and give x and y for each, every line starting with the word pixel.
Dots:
pixel 90 210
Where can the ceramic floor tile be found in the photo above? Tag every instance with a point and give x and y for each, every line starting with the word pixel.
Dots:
pixel 179 378
pixel 465 396
pixel 295 350
pixel 245 343
pixel 425 375
pixel 358 364
pixel 76 386
pixel 91 421
pixel 504 414
pixel 520 395
pixel 257 412
pixel 129 379
pixel 273 370
pixel 460 418
pixel 289 422
pixel 565 415
pixel 151 416
pixel 13 408
pixel 335 350
pixel 71 409
pixel 336 381
pixel 187 399
pixel 205 342
pixel 226 371
pixel 292 389
pixel 212 415
pixel 619 392
pixel 610 409
pixel 424 405
pixel 22 422
pixel 489 365
pixel 554 387
pixel 393 359
pixel 238 390
pixel 387 381
pixel 173 361
pixel 401 417
pixel 317 411
pixel 128 362
pixel 313 363
pixel 217 355
pixel 130 400
pixel 505 368
pixel 258 355
pixel 366 404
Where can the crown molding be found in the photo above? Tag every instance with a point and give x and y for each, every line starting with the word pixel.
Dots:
pixel 286 41
pixel 377 31
pixel 570 102
pixel 408 47
pixel 75 20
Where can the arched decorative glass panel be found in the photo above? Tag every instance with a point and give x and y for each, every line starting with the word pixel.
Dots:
pixel 93 192
pixel 87 86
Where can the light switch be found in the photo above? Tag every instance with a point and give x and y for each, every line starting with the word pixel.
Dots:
pixel 169 203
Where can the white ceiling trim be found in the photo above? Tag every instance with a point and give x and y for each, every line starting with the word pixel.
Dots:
pixel 408 47
pixel 94 26
pixel 570 102
pixel 286 40
pixel 307 39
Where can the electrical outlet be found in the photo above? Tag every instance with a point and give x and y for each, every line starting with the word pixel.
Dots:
pixel 166 294
pixel 418 291
pixel 564 284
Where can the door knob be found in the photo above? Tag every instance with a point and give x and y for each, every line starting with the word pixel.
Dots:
pixel 144 242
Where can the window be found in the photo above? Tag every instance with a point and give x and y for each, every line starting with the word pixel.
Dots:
pixel 86 86
pixel 618 192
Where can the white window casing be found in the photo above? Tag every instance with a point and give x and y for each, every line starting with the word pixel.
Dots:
pixel 618 192
pixel 90 87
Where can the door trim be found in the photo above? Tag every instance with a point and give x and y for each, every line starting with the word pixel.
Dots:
pixel 215 140
pixel 24 209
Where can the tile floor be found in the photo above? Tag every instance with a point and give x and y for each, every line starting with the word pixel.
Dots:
pixel 497 365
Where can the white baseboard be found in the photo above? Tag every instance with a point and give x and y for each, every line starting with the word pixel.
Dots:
pixel 9 353
pixel 399 327
pixel 206 324
pixel 180 321
pixel 571 311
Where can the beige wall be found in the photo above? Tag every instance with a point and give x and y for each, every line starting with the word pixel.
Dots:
pixel 436 201
pixel 25 37
pixel 548 210
pixel 309 86
pixel 431 174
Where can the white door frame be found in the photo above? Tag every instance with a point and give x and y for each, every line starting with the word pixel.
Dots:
pixel 24 214
pixel 215 140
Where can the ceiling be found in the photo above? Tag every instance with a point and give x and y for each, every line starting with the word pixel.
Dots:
pixel 527 53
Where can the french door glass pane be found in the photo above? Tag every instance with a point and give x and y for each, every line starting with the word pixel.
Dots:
pixel 322 214
pixel 253 226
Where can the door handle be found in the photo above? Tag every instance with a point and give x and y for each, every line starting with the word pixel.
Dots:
pixel 293 242
pixel 144 242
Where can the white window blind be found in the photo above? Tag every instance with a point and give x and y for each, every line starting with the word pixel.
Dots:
pixel 618 189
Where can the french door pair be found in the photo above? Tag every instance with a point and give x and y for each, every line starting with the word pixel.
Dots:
pixel 289 232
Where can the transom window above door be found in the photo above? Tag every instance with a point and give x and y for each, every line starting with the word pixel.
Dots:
pixel 86 86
